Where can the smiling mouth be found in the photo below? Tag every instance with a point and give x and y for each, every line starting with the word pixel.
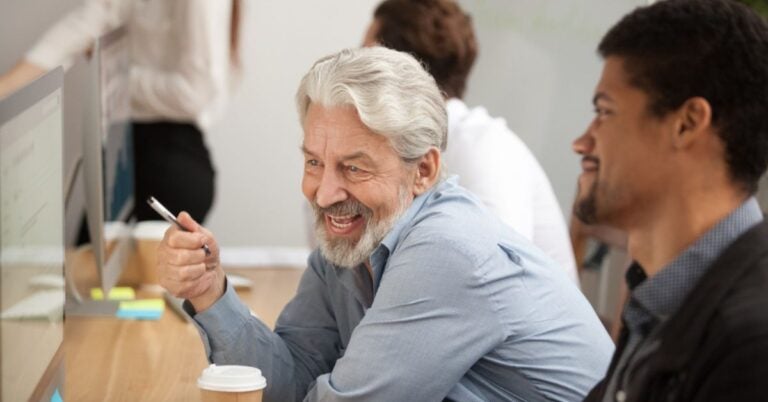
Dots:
pixel 590 164
pixel 343 224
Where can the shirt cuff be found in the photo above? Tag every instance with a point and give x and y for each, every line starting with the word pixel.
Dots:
pixel 220 321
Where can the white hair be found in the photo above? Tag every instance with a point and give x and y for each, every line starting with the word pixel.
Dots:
pixel 393 95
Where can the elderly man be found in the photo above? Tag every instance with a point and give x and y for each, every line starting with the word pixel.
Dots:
pixel 417 293
pixel 673 156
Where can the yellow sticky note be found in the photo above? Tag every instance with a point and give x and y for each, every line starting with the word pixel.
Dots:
pixel 117 293
pixel 143 304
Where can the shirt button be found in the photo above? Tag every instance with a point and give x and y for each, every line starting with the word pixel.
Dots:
pixel 621 396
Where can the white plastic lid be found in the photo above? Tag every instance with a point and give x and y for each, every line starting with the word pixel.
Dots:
pixel 231 379
pixel 150 230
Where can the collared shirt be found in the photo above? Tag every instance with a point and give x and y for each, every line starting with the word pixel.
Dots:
pixel 495 164
pixel 459 306
pixel 654 300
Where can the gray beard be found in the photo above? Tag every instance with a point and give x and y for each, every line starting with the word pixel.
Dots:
pixel 347 253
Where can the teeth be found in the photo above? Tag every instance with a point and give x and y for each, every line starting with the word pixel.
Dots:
pixel 342 222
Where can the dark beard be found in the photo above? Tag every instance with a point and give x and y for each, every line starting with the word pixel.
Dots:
pixel 586 209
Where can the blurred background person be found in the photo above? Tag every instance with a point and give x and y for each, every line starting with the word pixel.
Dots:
pixel 184 54
pixel 490 160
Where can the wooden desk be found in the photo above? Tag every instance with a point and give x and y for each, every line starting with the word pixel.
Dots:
pixel 108 359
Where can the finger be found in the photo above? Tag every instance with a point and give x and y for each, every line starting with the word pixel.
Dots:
pixel 181 257
pixel 207 239
pixel 185 219
pixel 192 289
pixel 185 240
pixel 172 278
pixel 191 273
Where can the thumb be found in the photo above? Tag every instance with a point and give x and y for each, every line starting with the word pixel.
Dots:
pixel 185 219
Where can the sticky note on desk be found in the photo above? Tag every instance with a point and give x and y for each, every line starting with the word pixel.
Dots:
pixel 144 309
pixel 116 293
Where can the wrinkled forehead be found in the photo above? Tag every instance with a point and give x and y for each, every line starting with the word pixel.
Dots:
pixel 339 132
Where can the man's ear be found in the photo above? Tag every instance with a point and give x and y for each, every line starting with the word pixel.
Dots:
pixel 694 121
pixel 427 171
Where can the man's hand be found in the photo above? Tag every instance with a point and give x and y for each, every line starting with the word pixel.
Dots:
pixel 183 267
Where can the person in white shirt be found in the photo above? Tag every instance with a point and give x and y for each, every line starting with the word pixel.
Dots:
pixel 490 160
pixel 183 54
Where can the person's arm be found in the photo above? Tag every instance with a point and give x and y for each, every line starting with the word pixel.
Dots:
pixel 18 76
pixel 187 87
pixel 305 343
pixel 430 322
pixel 74 34
pixel 70 36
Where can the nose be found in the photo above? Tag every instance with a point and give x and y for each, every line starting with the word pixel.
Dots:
pixel 331 189
pixel 585 143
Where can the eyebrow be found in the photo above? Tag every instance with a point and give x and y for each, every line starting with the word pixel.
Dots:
pixel 601 96
pixel 356 155
pixel 306 151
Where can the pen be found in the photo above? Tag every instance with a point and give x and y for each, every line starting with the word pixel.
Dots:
pixel 170 218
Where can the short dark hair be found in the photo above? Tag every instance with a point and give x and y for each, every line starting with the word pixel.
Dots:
pixel 436 32
pixel 716 49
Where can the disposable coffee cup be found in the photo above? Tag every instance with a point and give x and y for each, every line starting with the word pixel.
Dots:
pixel 231 384
pixel 148 235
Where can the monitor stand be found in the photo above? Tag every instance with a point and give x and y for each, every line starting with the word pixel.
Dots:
pixel 91 308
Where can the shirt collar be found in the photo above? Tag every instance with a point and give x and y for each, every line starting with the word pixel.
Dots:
pixel 663 294
pixel 380 255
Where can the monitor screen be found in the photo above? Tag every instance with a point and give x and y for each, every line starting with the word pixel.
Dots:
pixel 115 103
pixel 108 159
pixel 31 239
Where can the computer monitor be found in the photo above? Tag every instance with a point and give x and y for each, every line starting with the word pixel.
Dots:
pixel 108 158
pixel 31 241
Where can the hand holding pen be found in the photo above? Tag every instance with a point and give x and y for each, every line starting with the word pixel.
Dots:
pixel 171 218
pixel 188 260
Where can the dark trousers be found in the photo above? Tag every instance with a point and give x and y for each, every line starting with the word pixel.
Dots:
pixel 174 166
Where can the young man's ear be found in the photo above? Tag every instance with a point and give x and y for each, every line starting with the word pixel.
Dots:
pixel 694 120
pixel 427 171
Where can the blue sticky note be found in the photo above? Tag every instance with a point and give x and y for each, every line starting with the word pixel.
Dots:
pixel 56 397
pixel 139 314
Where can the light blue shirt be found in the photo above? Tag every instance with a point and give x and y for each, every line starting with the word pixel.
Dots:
pixel 459 307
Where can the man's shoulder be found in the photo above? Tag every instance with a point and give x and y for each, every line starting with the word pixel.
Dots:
pixel 739 315
pixel 450 218
pixel 742 313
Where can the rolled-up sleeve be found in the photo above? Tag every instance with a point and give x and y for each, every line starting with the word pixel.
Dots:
pixel 76 32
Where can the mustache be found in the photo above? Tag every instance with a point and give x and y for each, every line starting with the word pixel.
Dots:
pixel 348 207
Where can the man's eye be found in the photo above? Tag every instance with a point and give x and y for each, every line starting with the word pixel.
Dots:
pixel 313 162
pixel 355 172
pixel 601 112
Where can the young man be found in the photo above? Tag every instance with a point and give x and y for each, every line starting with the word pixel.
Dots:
pixel 416 293
pixel 673 155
